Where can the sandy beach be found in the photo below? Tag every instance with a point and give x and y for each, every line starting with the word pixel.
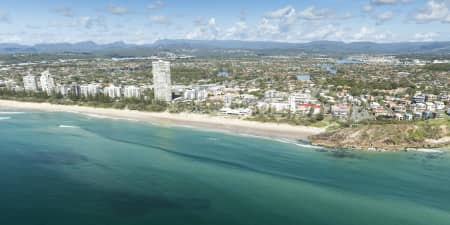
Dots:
pixel 236 126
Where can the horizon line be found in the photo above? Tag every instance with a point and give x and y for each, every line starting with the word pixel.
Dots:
pixel 218 40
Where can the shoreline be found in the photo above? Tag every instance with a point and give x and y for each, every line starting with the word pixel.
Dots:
pixel 189 120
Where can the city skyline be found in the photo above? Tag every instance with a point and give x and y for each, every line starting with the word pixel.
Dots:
pixel 142 22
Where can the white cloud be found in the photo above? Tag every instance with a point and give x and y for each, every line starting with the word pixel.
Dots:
pixel 4 17
pixel 287 11
pixel 160 20
pixel 118 10
pixel 266 27
pixel 370 34
pixel 328 31
pixel 200 21
pixel 384 16
pixel 33 27
pixel 279 21
pixel 205 31
pixel 428 36
pixel 376 3
pixel 388 2
pixel 243 15
pixel 368 8
pixel 281 24
pixel 212 22
pixel 287 23
pixel 12 37
pixel 347 15
pixel 434 11
pixel 64 11
pixel 239 30
pixel 384 2
pixel 363 33
pixel 311 13
pixel 156 5
pixel 88 22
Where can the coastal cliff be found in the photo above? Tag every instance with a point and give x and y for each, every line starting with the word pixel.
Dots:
pixel 388 136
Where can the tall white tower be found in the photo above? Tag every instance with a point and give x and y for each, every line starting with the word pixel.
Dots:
pixel 161 81
pixel 30 83
pixel 47 82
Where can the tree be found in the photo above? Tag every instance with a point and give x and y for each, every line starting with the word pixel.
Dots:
pixel 320 117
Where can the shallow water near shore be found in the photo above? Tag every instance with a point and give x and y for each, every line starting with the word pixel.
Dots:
pixel 62 168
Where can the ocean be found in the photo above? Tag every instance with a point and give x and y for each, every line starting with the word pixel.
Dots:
pixel 61 168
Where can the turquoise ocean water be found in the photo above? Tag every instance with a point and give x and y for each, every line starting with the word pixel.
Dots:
pixel 60 168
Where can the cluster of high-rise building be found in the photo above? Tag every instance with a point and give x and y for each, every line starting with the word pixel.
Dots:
pixel 130 91
pixel 161 78
pixel 45 83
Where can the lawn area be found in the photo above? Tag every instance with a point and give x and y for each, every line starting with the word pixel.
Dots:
pixel 444 120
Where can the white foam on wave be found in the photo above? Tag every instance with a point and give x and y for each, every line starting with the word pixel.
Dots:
pixel 11 113
pixel 96 116
pixel 309 146
pixel 259 137
pixel 213 139
pixel 283 140
pixel 67 126
pixel 288 141
pixel 108 117
pixel 5 118
pixel 252 136
pixel 425 150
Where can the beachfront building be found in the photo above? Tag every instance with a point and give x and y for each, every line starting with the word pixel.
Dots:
pixel 90 90
pixel 298 100
pixel 162 81
pixel 236 112
pixel 228 99
pixel 112 91
pixel 47 82
pixel 280 107
pixel 190 94
pixel 63 89
pixel 340 111
pixel 202 94
pixel 71 89
pixel 132 92
pixel 195 94
pixel 30 83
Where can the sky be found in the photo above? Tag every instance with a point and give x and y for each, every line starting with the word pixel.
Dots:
pixel 146 21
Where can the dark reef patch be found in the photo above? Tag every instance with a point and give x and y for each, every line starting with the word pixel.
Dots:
pixel 131 204
pixel 56 158
pixel 341 154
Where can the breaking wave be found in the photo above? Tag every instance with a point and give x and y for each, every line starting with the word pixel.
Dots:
pixel 11 113
pixel 67 126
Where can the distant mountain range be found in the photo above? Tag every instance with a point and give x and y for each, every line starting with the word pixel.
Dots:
pixel 80 47
pixel 211 46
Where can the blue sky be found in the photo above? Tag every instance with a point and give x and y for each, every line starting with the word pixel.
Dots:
pixel 145 21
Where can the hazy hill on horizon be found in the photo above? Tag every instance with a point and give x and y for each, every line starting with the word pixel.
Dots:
pixel 259 47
